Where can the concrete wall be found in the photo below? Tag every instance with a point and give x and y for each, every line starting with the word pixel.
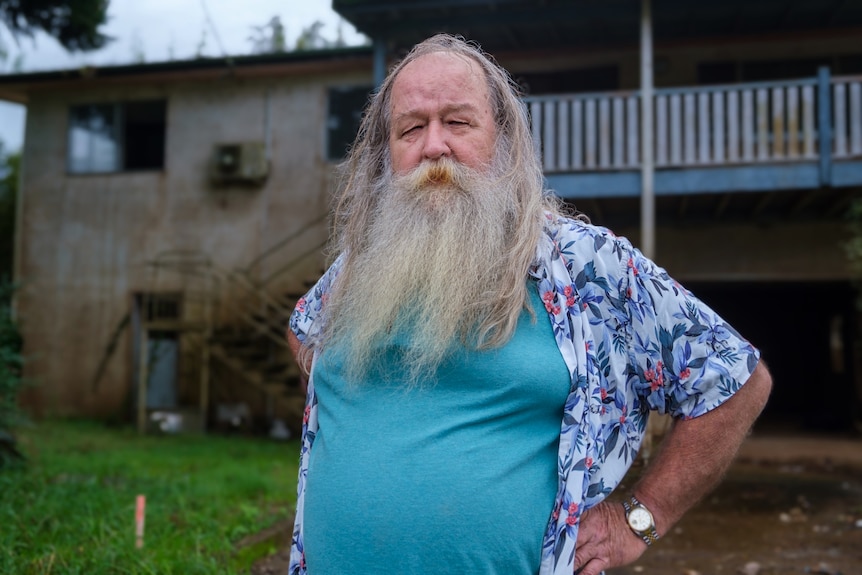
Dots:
pixel 85 240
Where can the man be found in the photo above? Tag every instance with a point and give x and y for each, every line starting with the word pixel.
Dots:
pixel 481 366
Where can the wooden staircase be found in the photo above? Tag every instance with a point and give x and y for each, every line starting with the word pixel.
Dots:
pixel 240 334
pixel 256 352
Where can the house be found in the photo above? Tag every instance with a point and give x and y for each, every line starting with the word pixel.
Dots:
pixel 168 213
pixel 753 112
pixel 754 116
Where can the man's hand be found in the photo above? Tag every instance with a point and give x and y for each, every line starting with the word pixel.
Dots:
pixel 605 540
pixel 673 483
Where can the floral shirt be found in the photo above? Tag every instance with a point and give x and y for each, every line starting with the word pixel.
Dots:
pixel 634 340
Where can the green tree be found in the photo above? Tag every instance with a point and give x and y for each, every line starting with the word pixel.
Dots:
pixel 10 166
pixel 74 23
pixel 10 340
pixel 269 38
pixel 10 377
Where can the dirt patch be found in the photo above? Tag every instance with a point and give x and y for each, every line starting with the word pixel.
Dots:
pixel 788 506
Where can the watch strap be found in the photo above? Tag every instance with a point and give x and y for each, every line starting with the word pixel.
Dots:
pixel 650 535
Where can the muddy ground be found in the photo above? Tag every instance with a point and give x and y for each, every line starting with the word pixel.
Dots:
pixel 788 506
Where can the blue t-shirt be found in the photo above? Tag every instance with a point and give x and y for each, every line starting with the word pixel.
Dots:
pixel 633 339
pixel 455 475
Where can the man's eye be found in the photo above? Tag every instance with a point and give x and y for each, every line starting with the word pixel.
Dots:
pixel 411 129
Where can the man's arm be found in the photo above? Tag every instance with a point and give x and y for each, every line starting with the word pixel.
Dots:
pixel 691 461
pixel 300 355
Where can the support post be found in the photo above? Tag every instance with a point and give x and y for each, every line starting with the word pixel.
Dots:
pixel 379 61
pixel 656 424
pixel 143 376
pixel 206 337
pixel 824 124
pixel 647 164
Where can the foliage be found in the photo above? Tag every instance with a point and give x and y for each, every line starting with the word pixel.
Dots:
pixel 269 38
pixel 74 23
pixel 10 378
pixel 311 39
pixel 10 168
pixel 72 509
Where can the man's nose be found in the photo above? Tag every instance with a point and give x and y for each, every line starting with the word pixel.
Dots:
pixel 436 145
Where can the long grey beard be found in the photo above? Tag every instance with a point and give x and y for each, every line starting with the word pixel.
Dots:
pixel 433 252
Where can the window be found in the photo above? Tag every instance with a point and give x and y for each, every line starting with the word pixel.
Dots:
pixel 600 79
pixel 117 137
pixel 345 112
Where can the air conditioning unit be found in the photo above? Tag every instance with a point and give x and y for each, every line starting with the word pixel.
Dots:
pixel 239 163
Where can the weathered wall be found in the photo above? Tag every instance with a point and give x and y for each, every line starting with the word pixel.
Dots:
pixel 85 240
pixel 779 252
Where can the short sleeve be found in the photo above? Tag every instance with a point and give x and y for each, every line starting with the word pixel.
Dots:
pixel 304 319
pixel 684 358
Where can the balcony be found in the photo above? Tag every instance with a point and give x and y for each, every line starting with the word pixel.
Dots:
pixel 803 134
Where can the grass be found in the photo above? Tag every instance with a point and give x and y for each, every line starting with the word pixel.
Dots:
pixel 71 509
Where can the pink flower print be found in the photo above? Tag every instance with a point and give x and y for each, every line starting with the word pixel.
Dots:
pixel 548 298
pixel 588 462
pixel 685 374
pixel 300 305
pixel 306 414
pixel 604 393
pixel 572 519
pixel 569 292
pixel 631 266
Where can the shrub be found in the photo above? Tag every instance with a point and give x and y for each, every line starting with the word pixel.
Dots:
pixel 10 377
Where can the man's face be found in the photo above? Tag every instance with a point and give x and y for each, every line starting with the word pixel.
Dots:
pixel 441 108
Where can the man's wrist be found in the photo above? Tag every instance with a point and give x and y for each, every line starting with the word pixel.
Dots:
pixel 640 520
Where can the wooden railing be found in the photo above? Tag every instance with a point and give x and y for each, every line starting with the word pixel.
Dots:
pixel 702 126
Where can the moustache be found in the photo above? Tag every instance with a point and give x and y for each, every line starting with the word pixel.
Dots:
pixel 441 173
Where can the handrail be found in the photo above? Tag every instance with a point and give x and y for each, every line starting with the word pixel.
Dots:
pixel 292 263
pixel 680 89
pixel 283 242
pixel 793 120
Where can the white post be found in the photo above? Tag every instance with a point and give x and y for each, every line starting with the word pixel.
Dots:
pixel 647 165
pixel 656 426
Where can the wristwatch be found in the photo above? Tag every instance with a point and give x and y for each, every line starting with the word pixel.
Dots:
pixel 640 520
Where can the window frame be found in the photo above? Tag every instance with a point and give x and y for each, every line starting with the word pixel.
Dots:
pixel 118 134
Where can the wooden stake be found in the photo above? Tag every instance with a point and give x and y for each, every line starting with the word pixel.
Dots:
pixel 140 512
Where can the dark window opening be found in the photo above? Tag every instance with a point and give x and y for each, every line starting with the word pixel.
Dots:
pixel 600 79
pixel 144 137
pixel 731 71
pixel 162 307
pixel 346 105
pixel 117 137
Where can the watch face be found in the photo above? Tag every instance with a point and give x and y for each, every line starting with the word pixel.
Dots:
pixel 639 519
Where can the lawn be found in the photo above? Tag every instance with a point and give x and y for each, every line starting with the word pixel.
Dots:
pixel 71 509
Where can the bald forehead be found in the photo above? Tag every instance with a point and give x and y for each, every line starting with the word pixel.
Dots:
pixel 456 78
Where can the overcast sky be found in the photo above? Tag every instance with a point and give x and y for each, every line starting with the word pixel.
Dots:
pixel 164 30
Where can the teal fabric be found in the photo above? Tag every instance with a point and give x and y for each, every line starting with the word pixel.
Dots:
pixel 456 475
